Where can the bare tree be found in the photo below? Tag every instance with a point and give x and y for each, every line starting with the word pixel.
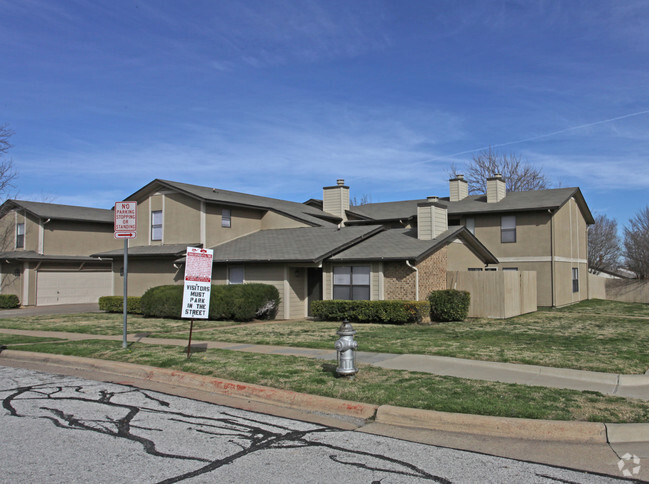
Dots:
pixel 519 174
pixel 363 200
pixel 603 245
pixel 636 244
pixel 7 171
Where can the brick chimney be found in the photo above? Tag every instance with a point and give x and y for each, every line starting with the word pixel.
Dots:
pixel 432 219
pixel 496 188
pixel 335 200
pixel 458 188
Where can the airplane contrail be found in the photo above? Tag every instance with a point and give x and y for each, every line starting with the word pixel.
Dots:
pixel 553 133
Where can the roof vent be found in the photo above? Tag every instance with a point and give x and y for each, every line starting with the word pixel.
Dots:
pixel 432 199
pixel 340 182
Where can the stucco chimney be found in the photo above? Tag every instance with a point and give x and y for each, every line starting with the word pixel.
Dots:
pixel 458 188
pixel 496 188
pixel 335 199
pixel 432 219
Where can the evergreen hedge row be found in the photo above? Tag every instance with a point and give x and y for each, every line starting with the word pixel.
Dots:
pixel 115 304
pixel 240 302
pixel 380 312
pixel 449 305
pixel 9 301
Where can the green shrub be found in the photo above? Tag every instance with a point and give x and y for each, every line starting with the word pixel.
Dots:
pixel 244 302
pixel 162 302
pixel 380 312
pixel 9 301
pixel 449 305
pixel 241 302
pixel 115 304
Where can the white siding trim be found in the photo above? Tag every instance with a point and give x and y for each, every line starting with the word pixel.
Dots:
pixel 381 283
pixel 203 224
pixel 286 296
pixel 542 258
pixel 25 298
pixel 41 236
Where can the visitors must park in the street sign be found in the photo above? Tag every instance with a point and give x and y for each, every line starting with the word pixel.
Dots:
pixel 125 220
pixel 198 283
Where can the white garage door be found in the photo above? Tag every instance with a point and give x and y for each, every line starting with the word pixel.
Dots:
pixel 72 287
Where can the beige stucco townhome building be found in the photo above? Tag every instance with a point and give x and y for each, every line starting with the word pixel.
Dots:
pixel 46 249
pixel 309 251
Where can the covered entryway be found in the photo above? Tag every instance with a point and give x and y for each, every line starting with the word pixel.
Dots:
pixel 72 287
pixel 314 286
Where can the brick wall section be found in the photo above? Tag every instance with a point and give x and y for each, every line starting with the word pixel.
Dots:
pixel 432 273
pixel 399 279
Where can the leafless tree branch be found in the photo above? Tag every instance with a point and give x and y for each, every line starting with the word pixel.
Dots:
pixel 519 174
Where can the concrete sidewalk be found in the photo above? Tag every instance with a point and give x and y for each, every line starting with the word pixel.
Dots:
pixel 629 386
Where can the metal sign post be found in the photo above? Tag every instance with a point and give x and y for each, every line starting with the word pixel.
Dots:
pixel 125 228
pixel 125 303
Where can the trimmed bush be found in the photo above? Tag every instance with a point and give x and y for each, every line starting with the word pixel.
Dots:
pixel 162 302
pixel 115 304
pixel 241 302
pixel 244 302
pixel 449 305
pixel 380 312
pixel 9 301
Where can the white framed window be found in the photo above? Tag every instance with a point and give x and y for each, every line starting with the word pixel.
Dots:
pixel 235 275
pixel 491 269
pixel 226 218
pixel 475 269
pixel 352 282
pixel 575 279
pixel 470 224
pixel 510 268
pixel 20 236
pixel 156 225
pixel 508 229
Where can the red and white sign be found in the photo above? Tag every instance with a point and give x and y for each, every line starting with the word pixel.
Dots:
pixel 125 220
pixel 198 283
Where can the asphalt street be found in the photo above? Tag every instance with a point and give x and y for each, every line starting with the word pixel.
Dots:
pixel 65 429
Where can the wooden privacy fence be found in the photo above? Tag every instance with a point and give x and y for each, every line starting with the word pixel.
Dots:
pixel 496 294
pixel 628 290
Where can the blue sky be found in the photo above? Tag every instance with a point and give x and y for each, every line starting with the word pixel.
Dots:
pixel 280 98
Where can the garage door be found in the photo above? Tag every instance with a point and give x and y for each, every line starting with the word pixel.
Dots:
pixel 72 287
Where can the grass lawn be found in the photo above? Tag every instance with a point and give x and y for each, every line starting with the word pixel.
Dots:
pixel 593 335
pixel 14 339
pixel 371 385
pixel 106 323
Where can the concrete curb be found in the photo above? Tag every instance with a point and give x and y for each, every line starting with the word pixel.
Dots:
pixel 528 429
pixel 517 428
pixel 231 388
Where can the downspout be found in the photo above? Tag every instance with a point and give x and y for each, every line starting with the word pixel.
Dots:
pixel 552 257
pixel 416 279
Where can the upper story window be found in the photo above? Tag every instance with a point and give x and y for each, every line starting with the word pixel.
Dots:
pixel 575 279
pixel 508 229
pixel 352 282
pixel 156 225
pixel 510 268
pixel 226 218
pixel 20 236
pixel 235 275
